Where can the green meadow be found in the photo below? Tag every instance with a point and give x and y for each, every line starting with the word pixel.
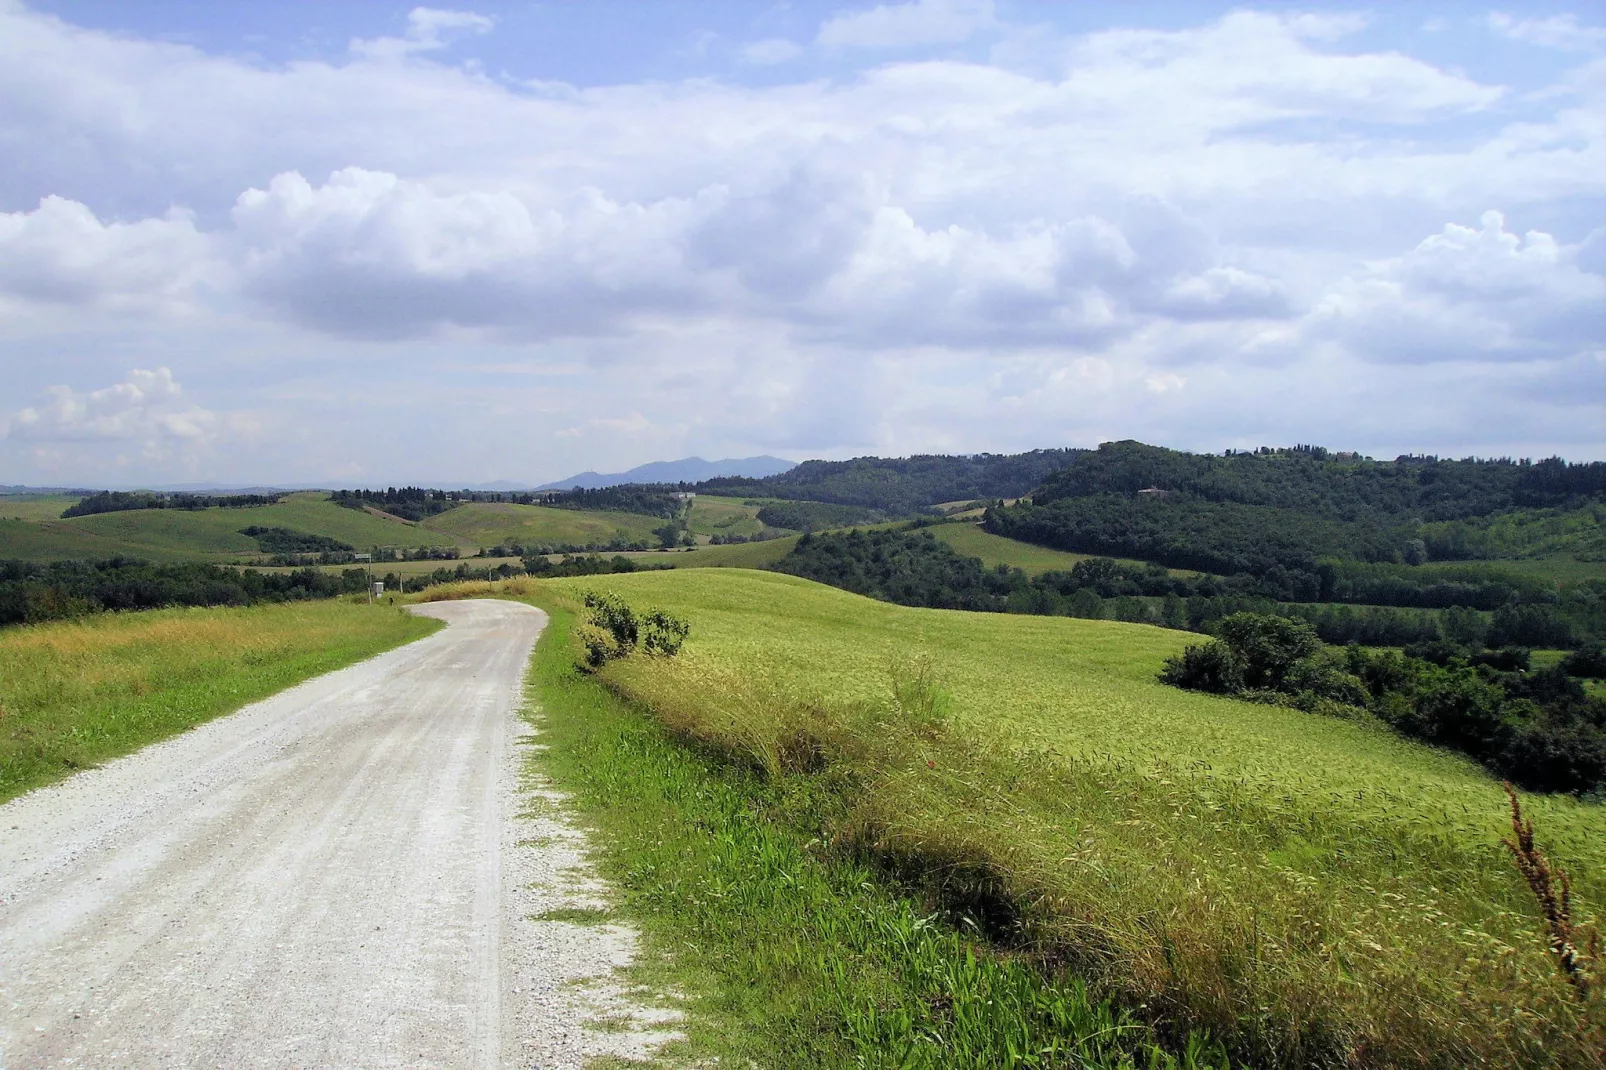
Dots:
pixel 77 693
pixel 201 534
pixel 712 515
pixel 971 541
pixel 493 523
pixel 34 506
pixel 1309 890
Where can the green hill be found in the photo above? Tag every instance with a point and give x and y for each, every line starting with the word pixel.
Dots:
pixel 974 541
pixel 1315 891
pixel 502 523
pixel 204 534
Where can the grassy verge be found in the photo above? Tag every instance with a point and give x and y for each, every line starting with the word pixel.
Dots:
pixel 77 693
pixel 794 955
pixel 1312 891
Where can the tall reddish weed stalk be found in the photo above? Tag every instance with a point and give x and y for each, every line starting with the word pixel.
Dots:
pixel 1576 948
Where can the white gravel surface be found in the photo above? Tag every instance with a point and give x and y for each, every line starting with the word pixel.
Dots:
pixel 348 874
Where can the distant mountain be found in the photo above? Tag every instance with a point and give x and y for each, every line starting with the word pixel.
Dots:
pixel 9 489
pixel 687 470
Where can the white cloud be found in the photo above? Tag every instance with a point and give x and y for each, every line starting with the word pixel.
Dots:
pixel 372 254
pixel 146 411
pixel 923 22
pixel 770 51
pixel 1471 293
pixel 1138 232
pixel 1561 32
pixel 61 253
pixel 428 30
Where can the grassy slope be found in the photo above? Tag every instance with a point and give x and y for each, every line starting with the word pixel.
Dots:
pixel 77 693
pixel 179 534
pixel 712 515
pixel 489 523
pixel 1365 870
pixel 787 961
pixel 34 506
pixel 741 555
pixel 971 541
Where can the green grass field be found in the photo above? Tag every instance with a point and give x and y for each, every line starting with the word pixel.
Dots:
pixel 779 955
pixel 77 693
pixel 493 523
pixel 34 506
pixel 712 515
pixel 737 555
pixel 1313 890
pixel 204 534
pixel 971 541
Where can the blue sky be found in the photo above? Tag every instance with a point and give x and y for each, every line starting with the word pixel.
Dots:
pixel 376 242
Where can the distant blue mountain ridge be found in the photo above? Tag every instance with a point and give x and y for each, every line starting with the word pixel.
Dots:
pixel 686 470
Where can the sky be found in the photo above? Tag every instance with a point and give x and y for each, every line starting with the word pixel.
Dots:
pixel 371 243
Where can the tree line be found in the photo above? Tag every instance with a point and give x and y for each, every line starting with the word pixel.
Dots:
pixel 911 567
pixel 1541 730
pixel 118 501
pixel 417 503
pixel 31 592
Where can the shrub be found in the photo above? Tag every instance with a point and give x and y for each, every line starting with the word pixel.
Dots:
pixel 1589 663
pixel 1211 667
pixel 1506 659
pixel 1267 646
pixel 612 631
pixel 664 633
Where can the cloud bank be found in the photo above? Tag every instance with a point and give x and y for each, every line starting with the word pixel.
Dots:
pixel 1065 236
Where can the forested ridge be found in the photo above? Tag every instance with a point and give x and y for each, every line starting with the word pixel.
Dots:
pixel 902 485
pixel 1279 514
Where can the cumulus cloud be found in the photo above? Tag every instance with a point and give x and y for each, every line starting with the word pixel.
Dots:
pixel 369 253
pixel 61 253
pixel 1135 225
pixel 924 22
pixel 1472 293
pixel 147 411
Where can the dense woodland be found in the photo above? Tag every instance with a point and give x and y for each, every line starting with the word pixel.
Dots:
pixel 118 501
pixel 902 485
pixel 1278 514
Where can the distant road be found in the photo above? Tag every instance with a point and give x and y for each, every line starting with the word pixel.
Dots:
pixel 324 879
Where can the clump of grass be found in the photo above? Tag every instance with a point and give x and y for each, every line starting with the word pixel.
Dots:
pixel 576 915
pixel 78 693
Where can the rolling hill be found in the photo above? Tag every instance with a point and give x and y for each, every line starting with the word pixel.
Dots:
pixel 1312 890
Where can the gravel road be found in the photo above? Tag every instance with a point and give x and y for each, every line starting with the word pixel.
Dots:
pixel 349 874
